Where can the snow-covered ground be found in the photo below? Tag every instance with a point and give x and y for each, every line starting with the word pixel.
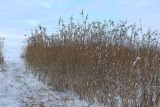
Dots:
pixel 19 88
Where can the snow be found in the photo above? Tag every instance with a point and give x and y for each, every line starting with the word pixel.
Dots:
pixel 7 92
pixel 20 88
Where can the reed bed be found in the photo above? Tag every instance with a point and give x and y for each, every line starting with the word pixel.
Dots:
pixel 1 55
pixel 112 63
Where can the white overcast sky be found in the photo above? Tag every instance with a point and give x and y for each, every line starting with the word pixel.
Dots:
pixel 18 17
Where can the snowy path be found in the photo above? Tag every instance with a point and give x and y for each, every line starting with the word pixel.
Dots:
pixel 19 88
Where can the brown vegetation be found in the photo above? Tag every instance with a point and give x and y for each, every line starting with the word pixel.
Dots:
pixel 113 63
pixel 1 55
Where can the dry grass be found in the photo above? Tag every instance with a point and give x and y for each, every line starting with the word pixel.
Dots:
pixel 101 60
pixel 1 55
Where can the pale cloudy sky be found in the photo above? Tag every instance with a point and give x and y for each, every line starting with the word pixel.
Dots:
pixel 18 17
